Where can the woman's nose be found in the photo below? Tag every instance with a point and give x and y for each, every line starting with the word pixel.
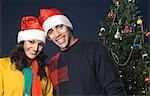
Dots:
pixel 35 47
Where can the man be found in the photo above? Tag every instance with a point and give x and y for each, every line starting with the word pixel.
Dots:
pixel 81 67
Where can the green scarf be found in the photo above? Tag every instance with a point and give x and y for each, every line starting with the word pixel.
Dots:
pixel 27 81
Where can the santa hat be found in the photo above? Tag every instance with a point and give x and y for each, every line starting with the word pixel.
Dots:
pixel 31 29
pixel 53 17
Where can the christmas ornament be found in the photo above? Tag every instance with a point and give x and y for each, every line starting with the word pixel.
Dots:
pixel 119 22
pixel 133 1
pixel 148 34
pixel 136 45
pixel 139 21
pixel 102 29
pixel 117 3
pixel 118 35
pixel 111 14
pixel 100 34
pixel 127 29
pixel 147 79
pixel 143 91
pixel 144 56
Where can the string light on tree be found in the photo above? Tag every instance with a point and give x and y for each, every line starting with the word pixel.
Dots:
pixel 117 2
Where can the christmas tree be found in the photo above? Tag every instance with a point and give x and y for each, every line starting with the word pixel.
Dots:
pixel 126 39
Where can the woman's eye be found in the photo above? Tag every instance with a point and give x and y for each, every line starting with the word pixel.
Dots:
pixel 41 44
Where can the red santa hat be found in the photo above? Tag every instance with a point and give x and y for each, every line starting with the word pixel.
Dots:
pixel 31 29
pixel 53 17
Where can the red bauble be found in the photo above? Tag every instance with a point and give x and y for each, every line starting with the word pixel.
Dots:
pixel 147 79
pixel 127 29
pixel 148 34
pixel 111 14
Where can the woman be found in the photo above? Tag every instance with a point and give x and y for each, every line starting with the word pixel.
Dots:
pixel 24 71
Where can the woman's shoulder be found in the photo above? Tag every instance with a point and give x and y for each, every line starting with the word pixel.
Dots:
pixel 5 59
pixel 5 62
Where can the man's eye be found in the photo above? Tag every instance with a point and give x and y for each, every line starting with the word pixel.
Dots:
pixel 49 31
pixel 60 26
pixel 31 42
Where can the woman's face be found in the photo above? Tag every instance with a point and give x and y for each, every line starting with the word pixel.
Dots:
pixel 32 48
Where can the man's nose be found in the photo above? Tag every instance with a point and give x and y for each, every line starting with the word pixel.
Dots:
pixel 56 32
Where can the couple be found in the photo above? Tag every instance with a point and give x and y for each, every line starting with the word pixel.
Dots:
pixel 79 68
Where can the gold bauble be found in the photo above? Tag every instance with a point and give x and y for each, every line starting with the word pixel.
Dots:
pixel 139 21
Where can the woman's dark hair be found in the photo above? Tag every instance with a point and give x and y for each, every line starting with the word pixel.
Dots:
pixel 21 61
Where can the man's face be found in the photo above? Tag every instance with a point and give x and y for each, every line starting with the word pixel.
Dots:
pixel 61 36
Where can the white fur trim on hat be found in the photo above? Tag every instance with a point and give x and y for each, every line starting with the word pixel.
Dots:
pixel 31 34
pixel 56 20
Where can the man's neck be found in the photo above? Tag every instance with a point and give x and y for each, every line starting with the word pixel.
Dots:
pixel 73 41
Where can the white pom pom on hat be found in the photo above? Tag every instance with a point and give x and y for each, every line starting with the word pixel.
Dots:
pixel 53 17
pixel 31 30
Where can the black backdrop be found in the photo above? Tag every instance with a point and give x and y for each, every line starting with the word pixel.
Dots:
pixel 84 14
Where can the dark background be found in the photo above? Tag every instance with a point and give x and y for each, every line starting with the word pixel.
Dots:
pixel 84 14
